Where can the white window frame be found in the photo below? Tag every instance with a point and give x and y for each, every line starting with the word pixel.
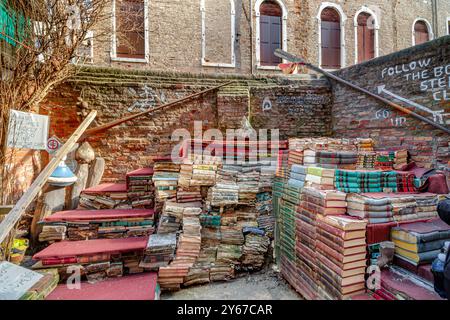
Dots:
pixel 114 56
pixel 258 33
pixel 429 27
pixel 367 10
pixel 343 18
pixel 232 64
pixel 447 29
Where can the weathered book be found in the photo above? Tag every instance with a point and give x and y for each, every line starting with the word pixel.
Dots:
pixel 346 235
pixel 338 257
pixel 358 266
pixel 345 251
pixel 344 243
pixel 324 202
pixel 322 210
pixel 344 223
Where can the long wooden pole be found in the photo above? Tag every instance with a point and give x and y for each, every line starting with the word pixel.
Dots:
pixel 18 210
pixel 112 124
pixel 290 57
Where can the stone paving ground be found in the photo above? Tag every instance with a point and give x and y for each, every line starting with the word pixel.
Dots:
pixel 263 285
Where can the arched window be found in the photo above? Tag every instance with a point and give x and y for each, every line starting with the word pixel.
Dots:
pixel 421 32
pixel 330 30
pixel 270 23
pixel 366 38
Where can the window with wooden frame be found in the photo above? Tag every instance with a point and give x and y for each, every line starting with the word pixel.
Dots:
pixel 130 29
pixel 330 38
pixel 270 32
pixel 366 38
pixel 421 32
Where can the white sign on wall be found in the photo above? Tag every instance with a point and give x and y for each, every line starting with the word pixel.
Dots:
pixel 27 130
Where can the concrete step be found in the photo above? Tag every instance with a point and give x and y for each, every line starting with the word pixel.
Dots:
pixel 141 286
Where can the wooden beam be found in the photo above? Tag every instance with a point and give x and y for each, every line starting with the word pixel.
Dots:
pixel 18 210
pixel 112 124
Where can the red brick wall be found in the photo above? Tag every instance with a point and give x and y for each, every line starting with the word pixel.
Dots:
pixel 356 115
pixel 134 144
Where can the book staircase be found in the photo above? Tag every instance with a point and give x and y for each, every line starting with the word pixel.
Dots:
pixel 105 241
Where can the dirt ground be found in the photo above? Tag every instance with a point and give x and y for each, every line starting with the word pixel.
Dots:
pixel 263 285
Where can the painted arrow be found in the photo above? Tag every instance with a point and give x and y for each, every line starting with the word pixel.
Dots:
pixel 437 115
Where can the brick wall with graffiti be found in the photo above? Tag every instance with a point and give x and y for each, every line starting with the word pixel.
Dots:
pixel 296 107
pixel 417 78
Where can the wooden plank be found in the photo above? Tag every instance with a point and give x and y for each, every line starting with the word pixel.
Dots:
pixel 112 124
pixel 14 215
pixel 79 185
pixel 96 170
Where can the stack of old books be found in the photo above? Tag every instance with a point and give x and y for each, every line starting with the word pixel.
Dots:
pixel 314 203
pixel 228 255
pixel 97 224
pixel 366 160
pixel 297 176
pixel 267 174
pixel 197 274
pixel 287 232
pixel 97 257
pixel 365 144
pixel 341 256
pixel 320 178
pixel 295 156
pixel 232 235
pixel 371 209
pixel 225 191
pixel 246 216
pixel 309 157
pixel 171 217
pixel 165 178
pixel 254 251
pixel 203 175
pixel 52 233
pixel 222 271
pixel 361 181
pixel 336 159
pixel 184 179
pixel 105 196
pixel 426 205
pixel 404 206
pixel 384 161
pixel 140 188
pixel 282 166
pixel 400 158
pixel 172 276
pixel 189 194
pixel 159 251
pixel 248 183
pixel 420 242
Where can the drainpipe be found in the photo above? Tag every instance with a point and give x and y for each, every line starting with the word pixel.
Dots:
pixel 251 37
pixel 434 12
